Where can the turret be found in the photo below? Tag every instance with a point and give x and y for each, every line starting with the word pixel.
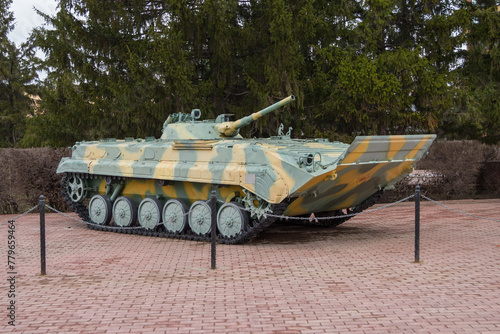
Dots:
pixel 182 126
pixel 230 129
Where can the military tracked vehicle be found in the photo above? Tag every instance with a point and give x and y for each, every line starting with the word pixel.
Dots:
pixel 163 185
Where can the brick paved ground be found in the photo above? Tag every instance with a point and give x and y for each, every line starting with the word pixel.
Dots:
pixel 356 278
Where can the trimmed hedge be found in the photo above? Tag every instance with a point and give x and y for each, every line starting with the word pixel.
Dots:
pixel 455 170
pixel 25 174
pixel 459 169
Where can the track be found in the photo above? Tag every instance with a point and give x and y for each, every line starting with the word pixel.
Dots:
pixel 252 230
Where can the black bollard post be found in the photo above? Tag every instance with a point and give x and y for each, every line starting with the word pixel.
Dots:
pixel 42 235
pixel 417 224
pixel 213 207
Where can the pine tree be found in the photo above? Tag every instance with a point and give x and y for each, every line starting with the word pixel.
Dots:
pixel 393 76
pixel 480 106
pixel 15 79
pixel 117 69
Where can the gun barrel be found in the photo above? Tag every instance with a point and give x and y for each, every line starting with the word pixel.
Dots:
pixel 238 124
pixel 231 128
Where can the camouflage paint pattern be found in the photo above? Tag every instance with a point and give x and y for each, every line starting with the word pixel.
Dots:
pixel 313 175
pixel 194 157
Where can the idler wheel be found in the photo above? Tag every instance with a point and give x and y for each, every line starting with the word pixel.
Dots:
pixel 174 215
pixel 149 213
pixel 124 211
pixel 75 187
pixel 100 210
pixel 200 218
pixel 231 219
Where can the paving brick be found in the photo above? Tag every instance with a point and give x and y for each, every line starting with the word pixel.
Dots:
pixel 357 278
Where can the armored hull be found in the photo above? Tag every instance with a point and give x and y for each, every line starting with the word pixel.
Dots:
pixel 163 184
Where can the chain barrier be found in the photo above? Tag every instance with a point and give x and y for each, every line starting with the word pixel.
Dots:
pixel 222 202
pixel 22 214
pixel 212 202
pixel 343 216
pixel 332 217
pixel 64 214
pixel 458 211
pixel 268 214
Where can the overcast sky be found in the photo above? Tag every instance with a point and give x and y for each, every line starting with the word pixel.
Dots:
pixel 25 17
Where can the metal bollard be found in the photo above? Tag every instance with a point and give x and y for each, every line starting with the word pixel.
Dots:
pixel 42 235
pixel 213 207
pixel 417 224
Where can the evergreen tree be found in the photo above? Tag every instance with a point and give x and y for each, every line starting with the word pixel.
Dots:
pixel 15 78
pixel 479 110
pixel 117 69
pixel 393 76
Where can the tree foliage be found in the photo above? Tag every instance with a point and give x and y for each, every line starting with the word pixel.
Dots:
pixel 117 69
pixel 15 77
pixel 479 108
pixel 394 74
